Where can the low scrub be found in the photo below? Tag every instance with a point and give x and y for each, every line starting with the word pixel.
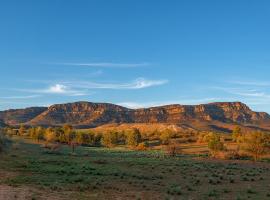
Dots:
pixel 4 142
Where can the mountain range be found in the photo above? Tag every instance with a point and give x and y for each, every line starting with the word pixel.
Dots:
pixel 218 116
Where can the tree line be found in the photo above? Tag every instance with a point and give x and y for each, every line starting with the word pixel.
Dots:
pixel 68 135
pixel 255 144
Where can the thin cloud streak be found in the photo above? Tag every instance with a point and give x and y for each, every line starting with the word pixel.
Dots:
pixel 21 97
pixel 250 83
pixel 139 83
pixel 106 64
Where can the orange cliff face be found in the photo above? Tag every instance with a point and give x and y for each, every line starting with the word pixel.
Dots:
pixel 96 114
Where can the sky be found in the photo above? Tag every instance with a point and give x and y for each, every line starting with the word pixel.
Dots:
pixel 135 53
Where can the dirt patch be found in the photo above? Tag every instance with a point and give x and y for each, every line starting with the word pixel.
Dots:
pixel 25 193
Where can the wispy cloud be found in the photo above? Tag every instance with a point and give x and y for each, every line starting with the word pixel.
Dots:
pixel 250 83
pixel 21 97
pixel 59 89
pixel 105 64
pixel 139 83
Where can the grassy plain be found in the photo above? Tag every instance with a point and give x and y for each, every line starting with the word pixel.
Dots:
pixel 29 171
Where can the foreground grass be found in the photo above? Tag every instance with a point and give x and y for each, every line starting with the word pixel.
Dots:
pixel 98 173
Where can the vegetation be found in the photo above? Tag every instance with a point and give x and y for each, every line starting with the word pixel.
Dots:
pixel 133 137
pixel 109 139
pixel 165 136
pixel 119 173
pixel 4 141
pixel 215 144
pixel 256 144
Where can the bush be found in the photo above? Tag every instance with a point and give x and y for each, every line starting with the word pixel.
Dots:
pixel 4 141
pixel 172 149
pixel 142 146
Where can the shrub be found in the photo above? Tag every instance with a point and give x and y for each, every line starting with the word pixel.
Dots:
pixel 142 146
pixel 4 141
pixel 172 149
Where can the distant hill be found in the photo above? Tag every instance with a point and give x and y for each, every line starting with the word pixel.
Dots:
pixel 20 116
pixel 87 114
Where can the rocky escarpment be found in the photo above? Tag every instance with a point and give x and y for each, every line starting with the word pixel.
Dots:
pixel 83 113
pixel 234 112
pixel 96 114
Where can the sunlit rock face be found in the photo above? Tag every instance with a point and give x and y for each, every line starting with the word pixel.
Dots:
pixel 96 114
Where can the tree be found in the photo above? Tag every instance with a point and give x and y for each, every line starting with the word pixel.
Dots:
pixel 39 133
pixel 237 136
pixel 215 144
pixel 256 144
pixel 22 130
pixel 109 139
pixel 165 136
pixel 68 133
pixel 237 133
pixel 133 137
pixel 50 136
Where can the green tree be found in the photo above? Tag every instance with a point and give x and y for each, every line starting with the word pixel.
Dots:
pixel 237 136
pixel 215 144
pixel 256 144
pixel 133 137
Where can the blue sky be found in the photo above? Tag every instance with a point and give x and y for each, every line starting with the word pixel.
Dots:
pixel 134 53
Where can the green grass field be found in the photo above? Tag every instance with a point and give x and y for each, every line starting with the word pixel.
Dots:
pixel 29 171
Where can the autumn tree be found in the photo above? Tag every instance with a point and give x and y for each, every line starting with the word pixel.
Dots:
pixel 237 134
pixel 22 130
pixel 68 133
pixel 39 133
pixel 133 137
pixel 50 136
pixel 165 136
pixel 109 139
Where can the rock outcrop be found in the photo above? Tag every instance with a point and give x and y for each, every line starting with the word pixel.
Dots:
pixel 95 114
